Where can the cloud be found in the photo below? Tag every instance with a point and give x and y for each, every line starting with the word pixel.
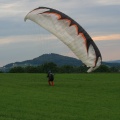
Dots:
pixel 108 37
pixel 20 41
pixel 109 2
pixel 109 49
pixel 26 38
pixel 46 38
pixel 19 48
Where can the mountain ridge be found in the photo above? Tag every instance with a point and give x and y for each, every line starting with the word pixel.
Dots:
pixel 52 57
pixel 59 60
pixel 114 61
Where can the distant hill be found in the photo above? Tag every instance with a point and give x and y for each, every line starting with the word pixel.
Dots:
pixel 111 64
pixel 114 61
pixel 59 60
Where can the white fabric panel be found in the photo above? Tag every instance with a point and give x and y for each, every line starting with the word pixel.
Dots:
pixel 67 34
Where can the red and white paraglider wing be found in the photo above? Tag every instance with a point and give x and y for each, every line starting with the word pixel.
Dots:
pixel 70 33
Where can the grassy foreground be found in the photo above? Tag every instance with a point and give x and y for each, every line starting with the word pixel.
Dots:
pixel 74 97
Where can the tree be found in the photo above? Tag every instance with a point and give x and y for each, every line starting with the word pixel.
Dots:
pixel 49 66
pixel 66 69
pixel 31 69
pixel 114 69
pixel 17 70
pixel 103 68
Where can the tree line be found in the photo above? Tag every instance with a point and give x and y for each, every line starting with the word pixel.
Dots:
pixel 44 68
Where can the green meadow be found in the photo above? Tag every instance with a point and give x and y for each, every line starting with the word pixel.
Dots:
pixel 74 97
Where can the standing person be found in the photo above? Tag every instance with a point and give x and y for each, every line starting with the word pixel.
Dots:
pixel 50 78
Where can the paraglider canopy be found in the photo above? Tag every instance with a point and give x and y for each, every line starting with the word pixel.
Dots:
pixel 70 33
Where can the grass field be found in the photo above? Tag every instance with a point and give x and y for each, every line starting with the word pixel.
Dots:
pixel 74 97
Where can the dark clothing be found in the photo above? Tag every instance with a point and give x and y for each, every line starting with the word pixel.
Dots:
pixel 50 79
pixel 50 76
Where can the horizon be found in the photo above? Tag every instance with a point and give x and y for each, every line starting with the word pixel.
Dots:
pixel 50 54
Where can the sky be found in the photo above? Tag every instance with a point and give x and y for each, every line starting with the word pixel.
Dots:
pixel 21 40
